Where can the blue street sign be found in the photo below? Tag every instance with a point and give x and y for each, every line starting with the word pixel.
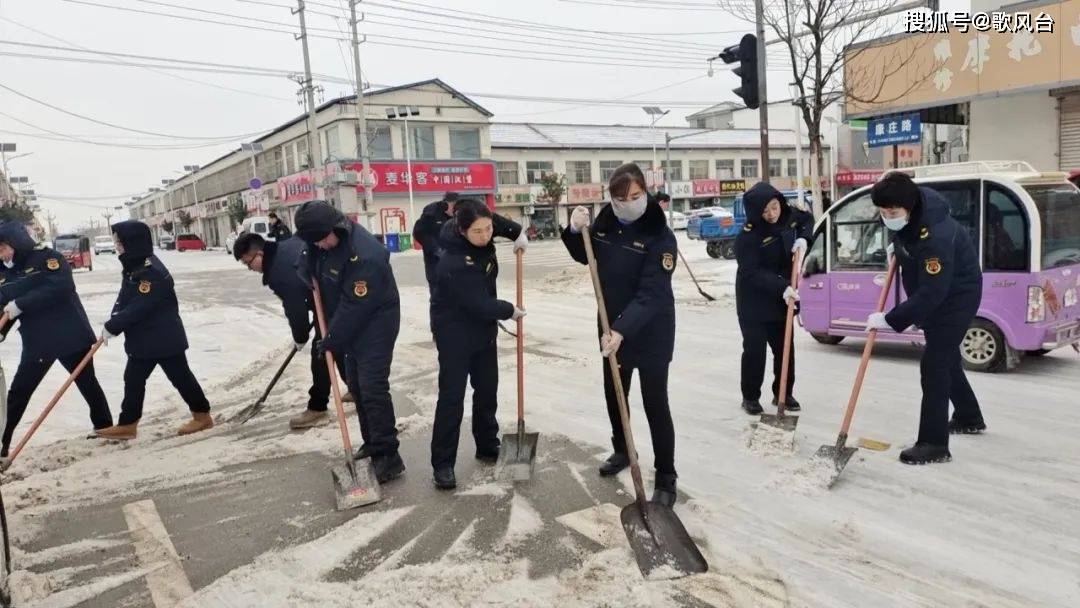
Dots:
pixel 255 184
pixel 895 130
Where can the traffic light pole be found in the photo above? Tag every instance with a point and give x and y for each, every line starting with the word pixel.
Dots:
pixel 763 99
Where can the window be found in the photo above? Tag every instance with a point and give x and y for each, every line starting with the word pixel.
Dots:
pixel 815 258
pixel 859 237
pixel 536 169
pixel 422 144
pixel 775 167
pixel 579 171
pixel 725 168
pixel 1005 232
pixel 607 167
pixel 963 197
pixel 699 169
pixel 290 159
pixel 332 142
pixel 644 165
pixel 672 172
pixel 508 173
pixel 792 167
pixel 378 141
pixel 464 143
pixel 302 160
pixel 750 167
pixel 1057 207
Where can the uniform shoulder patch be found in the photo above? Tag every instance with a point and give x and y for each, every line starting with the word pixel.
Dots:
pixel 767 240
pixel 148 263
pixel 747 227
pixel 144 287
pixel 668 261
pixel 924 233
pixel 933 266
pixel 469 261
pixel 360 289
pixel 489 267
pixel 354 258
pixel 52 264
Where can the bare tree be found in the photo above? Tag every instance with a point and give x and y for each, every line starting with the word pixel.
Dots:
pixel 818 39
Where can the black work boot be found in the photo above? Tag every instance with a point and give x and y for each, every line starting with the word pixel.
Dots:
pixel 387 467
pixel 752 406
pixel 925 453
pixel 790 406
pixel 362 452
pixel 444 478
pixel 664 489
pixel 488 456
pixel 957 427
pixel 615 463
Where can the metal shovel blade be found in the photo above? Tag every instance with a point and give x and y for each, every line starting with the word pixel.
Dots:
pixel 786 422
pixel 517 457
pixel 662 546
pixel 838 458
pixel 248 412
pixel 355 484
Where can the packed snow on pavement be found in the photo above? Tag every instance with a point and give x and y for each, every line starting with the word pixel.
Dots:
pixel 989 529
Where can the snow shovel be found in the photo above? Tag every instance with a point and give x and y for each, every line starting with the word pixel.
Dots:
pixel 354 481
pixel 781 420
pixel 6 462
pixel 694 279
pixel 838 455
pixel 518 454
pixel 655 533
pixel 253 410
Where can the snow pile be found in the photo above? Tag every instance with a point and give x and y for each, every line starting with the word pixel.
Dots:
pixel 524 521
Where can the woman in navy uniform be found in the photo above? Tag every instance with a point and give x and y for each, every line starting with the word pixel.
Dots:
pixel 939 267
pixel 363 316
pixel 467 309
pixel 148 314
pixel 635 256
pixel 773 232
pixel 37 289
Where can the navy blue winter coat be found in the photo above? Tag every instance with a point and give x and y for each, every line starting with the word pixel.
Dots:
pixel 428 231
pixel 146 310
pixel 280 261
pixel 53 322
pixel 635 262
pixel 939 267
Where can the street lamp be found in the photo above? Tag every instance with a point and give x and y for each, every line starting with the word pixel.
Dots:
pixel 404 112
pixel 657 114
pixel 835 154
pixel 253 148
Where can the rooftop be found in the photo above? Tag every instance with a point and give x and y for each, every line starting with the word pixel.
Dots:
pixel 566 136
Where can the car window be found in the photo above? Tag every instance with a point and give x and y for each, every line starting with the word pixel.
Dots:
pixel 815 258
pixel 1005 232
pixel 858 236
pixel 963 197
pixel 1059 215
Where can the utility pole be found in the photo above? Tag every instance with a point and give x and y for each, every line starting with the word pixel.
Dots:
pixel 763 109
pixel 362 136
pixel 309 91
pixel 50 219
pixel 107 214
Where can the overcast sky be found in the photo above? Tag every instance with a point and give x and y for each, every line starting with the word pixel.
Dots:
pixel 146 100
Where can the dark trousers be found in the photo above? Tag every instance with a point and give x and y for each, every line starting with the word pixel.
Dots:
pixel 457 365
pixel 756 335
pixel 369 377
pixel 29 376
pixel 319 393
pixel 176 370
pixel 654 397
pixel 944 380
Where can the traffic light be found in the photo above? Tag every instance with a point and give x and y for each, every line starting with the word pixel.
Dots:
pixel 745 53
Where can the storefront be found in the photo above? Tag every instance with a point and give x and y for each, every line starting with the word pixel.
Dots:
pixel 689 195
pixel 847 181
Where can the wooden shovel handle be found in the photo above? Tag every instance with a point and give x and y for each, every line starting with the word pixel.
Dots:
pixel 865 361
pixel 320 316
pixel 520 338
pixel 789 325
pixel 616 377
pixel 56 398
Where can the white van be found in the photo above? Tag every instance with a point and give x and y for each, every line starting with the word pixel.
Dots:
pixel 260 225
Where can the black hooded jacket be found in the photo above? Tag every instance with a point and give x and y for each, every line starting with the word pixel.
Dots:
pixel 466 305
pixel 428 232
pixel 763 253
pixel 635 262
pixel 355 278
pixel 53 322
pixel 939 267
pixel 146 310
pixel 279 274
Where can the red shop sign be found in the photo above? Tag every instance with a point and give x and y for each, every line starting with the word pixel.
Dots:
pixel 706 187
pixel 857 178
pixel 430 176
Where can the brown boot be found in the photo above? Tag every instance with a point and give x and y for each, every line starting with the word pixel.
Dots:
pixel 200 421
pixel 348 398
pixel 120 431
pixel 307 419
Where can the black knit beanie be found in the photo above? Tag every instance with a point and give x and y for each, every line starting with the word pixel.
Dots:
pixel 895 189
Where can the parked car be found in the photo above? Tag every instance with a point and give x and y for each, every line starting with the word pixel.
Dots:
pixel 230 241
pixel 718 226
pixel 1026 225
pixel 190 242
pixel 167 242
pixel 76 250
pixel 676 220
pixel 259 225
pixel 104 244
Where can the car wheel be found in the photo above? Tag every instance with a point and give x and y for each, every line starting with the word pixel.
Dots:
pixel 827 339
pixel 1037 352
pixel 984 349
pixel 713 249
pixel 728 250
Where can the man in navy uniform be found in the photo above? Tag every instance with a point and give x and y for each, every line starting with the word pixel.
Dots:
pixel 940 270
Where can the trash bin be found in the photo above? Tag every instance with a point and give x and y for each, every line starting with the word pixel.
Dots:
pixel 393 243
pixel 406 241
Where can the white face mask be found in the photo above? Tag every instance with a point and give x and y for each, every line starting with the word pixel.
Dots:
pixel 630 211
pixel 895 223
